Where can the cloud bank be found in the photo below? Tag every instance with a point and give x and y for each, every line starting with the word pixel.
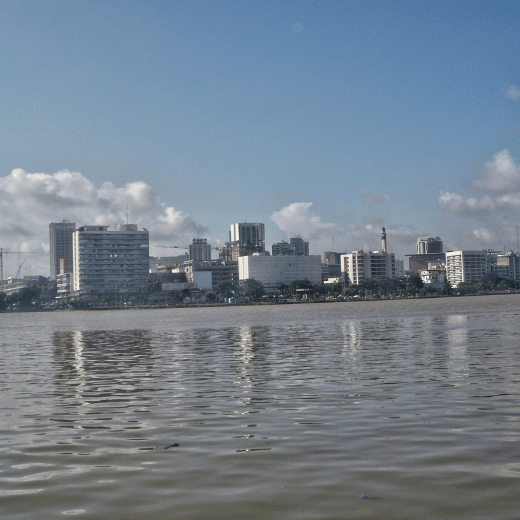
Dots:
pixel 500 188
pixel 513 92
pixel 30 201
pixel 298 219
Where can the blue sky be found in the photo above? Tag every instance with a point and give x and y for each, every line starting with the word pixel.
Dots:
pixel 327 119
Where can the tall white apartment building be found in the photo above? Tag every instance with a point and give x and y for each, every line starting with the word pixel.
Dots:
pixel 273 271
pixel 110 262
pixel 364 265
pixel 465 266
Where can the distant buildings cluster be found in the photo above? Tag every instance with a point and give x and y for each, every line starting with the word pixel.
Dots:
pixel 93 260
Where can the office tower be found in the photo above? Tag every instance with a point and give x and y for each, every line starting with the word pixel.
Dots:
pixel 245 239
pixel 60 247
pixel 428 245
pixel 200 250
pixel 300 246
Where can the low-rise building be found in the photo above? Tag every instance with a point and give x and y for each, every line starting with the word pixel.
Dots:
pixel 273 271
pixel 507 265
pixel 220 270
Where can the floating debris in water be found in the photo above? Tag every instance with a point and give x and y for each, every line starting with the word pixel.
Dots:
pixel 170 446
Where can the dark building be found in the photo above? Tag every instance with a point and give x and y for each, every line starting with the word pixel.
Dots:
pixel 60 247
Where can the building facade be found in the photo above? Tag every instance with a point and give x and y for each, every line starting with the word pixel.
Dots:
pixel 465 266
pixel 200 250
pixel 429 245
pixel 110 262
pixel 273 271
pixel 60 247
pixel 361 265
pixel 283 248
pixel 300 246
pixel 249 236
pixel 507 265
pixel 221 271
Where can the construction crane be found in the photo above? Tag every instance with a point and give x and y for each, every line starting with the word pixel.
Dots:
pixel 2 253
pixel 182 247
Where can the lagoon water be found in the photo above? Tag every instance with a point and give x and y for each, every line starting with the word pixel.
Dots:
pixel 275 412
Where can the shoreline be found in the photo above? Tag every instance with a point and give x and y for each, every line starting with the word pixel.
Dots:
pixel 253 304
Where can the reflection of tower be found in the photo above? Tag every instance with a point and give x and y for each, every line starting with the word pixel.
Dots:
pixel 383 241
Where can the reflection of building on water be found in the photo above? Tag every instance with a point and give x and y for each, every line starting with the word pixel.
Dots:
pixel 83 358
pixel 246 344
pixel 457 343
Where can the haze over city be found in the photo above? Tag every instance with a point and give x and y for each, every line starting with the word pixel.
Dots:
pixel 327 120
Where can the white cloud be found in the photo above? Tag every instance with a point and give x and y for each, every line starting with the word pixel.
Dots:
pixel 501 174
pixel 513 92
pixel 376 218
pixel 297 219
pixel 30 201
pixel 469 207
pixel 371 200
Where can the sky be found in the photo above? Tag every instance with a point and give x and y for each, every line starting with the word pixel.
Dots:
pixel 323 119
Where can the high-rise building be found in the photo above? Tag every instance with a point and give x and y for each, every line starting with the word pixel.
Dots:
pixel 300 246
pixel 60 247
pixel 200 250
pixel 244 239
pixel 283 248
pixel 110 262
pixel 429 250
pixel 429 245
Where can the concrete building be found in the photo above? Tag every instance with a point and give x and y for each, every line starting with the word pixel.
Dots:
pixel 246 238
pixel 364 265
pixel 429 245
pixel 273 271
pixel 399 268
pixel 60 246
pixel 200 250
pixel 46 285
pixel 300 246
pixel 110 262
pixel 428 250
pixel 221 271
pixel 507 265
pixel 283 248
pixel 433 277
pixel 332 258
pixel 465 266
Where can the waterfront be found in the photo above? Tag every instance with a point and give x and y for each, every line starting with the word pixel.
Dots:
pixel 279 412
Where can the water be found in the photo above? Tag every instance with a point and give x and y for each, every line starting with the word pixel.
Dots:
pixel 281 412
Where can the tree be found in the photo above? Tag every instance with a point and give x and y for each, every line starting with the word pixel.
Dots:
pixel 153 285
pixel 225 289
pixel 3 301
pixel 27 296
pixel 250 288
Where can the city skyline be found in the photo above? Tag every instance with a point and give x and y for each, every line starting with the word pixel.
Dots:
pixel 327 121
